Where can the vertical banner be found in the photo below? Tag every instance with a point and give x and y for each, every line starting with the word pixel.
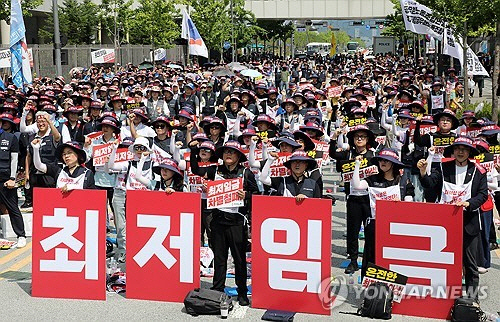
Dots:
pixel 69 244
pixel 413 241
pixel 290 253
pixel 163 251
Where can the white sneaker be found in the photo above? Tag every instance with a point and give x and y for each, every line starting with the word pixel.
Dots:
pixel 21 242
pixel 482 270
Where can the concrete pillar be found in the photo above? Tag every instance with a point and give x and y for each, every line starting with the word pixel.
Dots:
pixel 5 32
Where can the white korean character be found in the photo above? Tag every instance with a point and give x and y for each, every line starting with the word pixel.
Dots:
pixel 70 226
pixel 154 246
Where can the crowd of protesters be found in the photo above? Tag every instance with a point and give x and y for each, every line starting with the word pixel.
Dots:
pixel 395 114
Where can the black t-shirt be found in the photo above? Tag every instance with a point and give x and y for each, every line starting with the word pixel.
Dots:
pixel 8 144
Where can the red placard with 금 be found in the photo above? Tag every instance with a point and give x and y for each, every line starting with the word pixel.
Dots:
pixel 163 251
pixel 290 253
pixel 69 244
pixel 413 241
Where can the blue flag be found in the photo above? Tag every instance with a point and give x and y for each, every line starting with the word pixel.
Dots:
pixel 20 65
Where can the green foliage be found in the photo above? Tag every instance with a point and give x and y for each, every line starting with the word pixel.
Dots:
pixel 153 23
pixel 123 11
pixel 26 5
pixel 212 20
pixel 485 112
pixel 301 39
pixel 78 21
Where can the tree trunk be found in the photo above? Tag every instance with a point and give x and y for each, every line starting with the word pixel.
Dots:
pixel 496 71
pixel 466 76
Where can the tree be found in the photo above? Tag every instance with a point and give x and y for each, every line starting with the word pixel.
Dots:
pixel 26 5
pixel 119 9
pixel 212 20
pixel 78 21
pixel 394 25
pixel 245 27
pixel 153 23
pixel 463 16
pixel 303 38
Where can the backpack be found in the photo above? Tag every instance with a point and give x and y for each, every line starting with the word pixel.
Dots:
pixel 377 303
pixel 201 301
pixel 466 309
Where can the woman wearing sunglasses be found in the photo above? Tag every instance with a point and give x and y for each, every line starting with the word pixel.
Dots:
pixel 216 131
pixel 127 180
pixel 163 130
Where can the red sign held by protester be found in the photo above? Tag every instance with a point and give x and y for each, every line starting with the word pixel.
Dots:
pixel 100 153
pixel 224 193
pixel 413 241
pixel 290 253
pixel 69 238
pixel 163 257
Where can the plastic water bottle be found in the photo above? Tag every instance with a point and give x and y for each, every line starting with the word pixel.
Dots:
pixel 351 279
pixel 335 187
pixel 224 309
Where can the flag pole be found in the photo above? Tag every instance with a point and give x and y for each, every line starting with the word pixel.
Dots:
pixel 189 36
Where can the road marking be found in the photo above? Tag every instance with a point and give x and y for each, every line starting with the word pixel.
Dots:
pixel 15 267
pixel 15 253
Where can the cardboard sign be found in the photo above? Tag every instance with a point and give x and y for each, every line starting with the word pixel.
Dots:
pixel 365 169
pixel 371 101
pixel 102 56
pixel 277 168
pixel 395 281
pixel 100 153
pixel 413 241
pixel 424 129
pixel 69 244
pixel 131 106
pixel 123 154
pixel 163 251
pixel 334 91
pixel 354 122
pixel 224 193
pixel 94 135
pixel 290 253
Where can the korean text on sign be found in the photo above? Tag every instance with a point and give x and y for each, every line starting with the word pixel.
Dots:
pixel 69 244
pixel 413 241
pixel 290 253
pixel 224 193
pixel 163 257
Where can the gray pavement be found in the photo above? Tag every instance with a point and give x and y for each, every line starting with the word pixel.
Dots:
pixel 18 304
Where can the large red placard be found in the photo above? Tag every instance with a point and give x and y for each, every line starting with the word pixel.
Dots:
pixel 163 251
pixel 290 253
pixel 69 238
pixel 424 242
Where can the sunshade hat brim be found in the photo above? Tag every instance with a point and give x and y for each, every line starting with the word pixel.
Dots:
pixel 311 163
pixel 448 151
pixel 82 156
pixel 308 142
pixel 220 151
pixel 286 140
pixel 157 169
pixel 455 121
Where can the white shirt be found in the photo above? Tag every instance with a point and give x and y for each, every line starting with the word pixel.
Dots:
pixel 461 171
pixel 141 129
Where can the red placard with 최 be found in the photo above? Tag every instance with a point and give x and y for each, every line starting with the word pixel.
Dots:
pixel 413 241
pixel 100 153
pixel 123 154
pixel 69 244
pixel 224 193
pixel 163 251
pixel 334 91
pixel 290 253
pixel 94 135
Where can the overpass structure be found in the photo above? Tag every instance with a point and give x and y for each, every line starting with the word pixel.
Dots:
pixel 320 9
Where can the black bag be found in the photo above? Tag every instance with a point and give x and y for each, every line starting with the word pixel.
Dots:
pixel 466 309
pixel 377 303
pixel 275 315
pixel 201 301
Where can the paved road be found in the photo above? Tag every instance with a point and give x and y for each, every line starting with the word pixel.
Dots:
pixel 15 285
